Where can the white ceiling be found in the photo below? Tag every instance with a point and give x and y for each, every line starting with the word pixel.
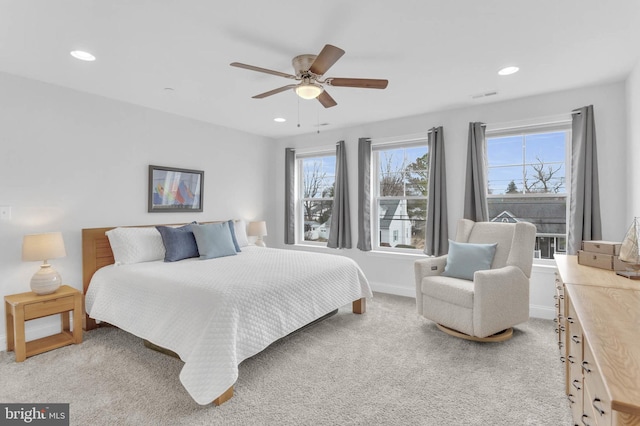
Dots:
pixel 435 54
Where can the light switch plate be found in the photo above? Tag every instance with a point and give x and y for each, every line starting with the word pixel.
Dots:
pixel 5 212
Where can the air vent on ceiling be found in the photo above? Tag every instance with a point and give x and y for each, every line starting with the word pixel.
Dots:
pixel 484 95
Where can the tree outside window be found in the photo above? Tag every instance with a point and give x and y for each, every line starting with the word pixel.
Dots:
pixel 401 196
pixel 317 190
pixel 527 182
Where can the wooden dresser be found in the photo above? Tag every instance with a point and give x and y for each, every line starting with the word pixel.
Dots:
pixel 598 326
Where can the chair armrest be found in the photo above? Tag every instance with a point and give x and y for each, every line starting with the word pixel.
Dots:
pixel 429 266
pixel 491 289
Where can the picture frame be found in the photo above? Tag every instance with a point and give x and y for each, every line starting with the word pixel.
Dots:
pixel 175 190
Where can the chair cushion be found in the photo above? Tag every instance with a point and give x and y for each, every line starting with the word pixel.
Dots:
pixel 453 290
pixel 464 259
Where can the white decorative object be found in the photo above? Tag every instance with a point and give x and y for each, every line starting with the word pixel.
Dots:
pixel 258 229
pixel 44 247
pixel 630 251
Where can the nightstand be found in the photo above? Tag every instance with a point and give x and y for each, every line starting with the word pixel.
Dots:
pixel 27 306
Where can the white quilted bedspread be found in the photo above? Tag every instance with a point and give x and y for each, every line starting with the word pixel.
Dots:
pixel 216 313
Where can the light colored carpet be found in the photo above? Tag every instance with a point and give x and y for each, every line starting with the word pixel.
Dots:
pixel 387 367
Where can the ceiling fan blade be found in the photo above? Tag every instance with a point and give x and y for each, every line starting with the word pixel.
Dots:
pixel 327 57
pixel 365 83
pixel 326 100
pixel 264 70
pixel 274 91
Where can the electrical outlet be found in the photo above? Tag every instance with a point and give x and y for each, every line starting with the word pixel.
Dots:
pixel 5 212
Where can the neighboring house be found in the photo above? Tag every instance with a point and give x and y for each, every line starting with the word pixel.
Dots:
pixel 395 225
pixel 547 213
pixel 317 231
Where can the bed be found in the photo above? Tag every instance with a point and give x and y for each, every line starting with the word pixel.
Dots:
pixel 215 313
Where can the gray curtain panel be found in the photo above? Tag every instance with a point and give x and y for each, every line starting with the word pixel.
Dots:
pixel 475 193
pixel 340 230
pixel 584 211
pixel 289 196
pixel 437 236
pixel 364 194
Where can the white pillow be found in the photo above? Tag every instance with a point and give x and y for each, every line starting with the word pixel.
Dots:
pixel 135 245
pixel 240 229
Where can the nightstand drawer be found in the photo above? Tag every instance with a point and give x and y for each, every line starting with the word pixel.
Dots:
pixel 48 307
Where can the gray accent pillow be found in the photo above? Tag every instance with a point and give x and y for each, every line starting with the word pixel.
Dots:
pixel 464 259
pixel 179 243
pixel 214 240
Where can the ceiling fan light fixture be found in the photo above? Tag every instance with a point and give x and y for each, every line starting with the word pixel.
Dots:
pixel 309 91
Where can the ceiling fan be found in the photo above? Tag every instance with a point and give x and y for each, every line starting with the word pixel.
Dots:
pixel 309 72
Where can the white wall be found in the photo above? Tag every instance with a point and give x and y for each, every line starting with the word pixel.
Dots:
pixel 394 273
pixel 70 160
pixel 633 143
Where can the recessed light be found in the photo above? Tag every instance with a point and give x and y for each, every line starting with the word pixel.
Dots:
pixel 83 56
pixel 508 70
pixel 279 120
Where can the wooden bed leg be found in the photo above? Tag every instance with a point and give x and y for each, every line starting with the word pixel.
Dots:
pixel 224 397
pixel 360 306
pixel 89 323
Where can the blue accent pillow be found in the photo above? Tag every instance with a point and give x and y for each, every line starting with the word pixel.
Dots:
pixel 214 240
pixel 179 243
pixel 464 259
pixel 232 228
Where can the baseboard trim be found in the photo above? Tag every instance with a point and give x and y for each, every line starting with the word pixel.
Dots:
pixel 542 312
pixel 392 289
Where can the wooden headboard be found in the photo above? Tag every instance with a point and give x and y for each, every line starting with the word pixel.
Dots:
pixel 96 253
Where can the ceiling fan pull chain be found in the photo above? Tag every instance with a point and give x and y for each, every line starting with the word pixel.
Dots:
pixel 318 116
pixel 298 111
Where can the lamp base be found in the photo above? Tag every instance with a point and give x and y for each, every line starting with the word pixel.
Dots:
pixel 46 281
pixel 260 242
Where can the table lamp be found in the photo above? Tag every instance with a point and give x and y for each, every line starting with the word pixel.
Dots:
pixel 258 229
pixel 44 247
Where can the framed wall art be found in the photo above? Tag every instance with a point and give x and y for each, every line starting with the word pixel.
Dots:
pixel 175 190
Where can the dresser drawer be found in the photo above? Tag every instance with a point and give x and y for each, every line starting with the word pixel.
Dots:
pixel 596 395
pixel 48 307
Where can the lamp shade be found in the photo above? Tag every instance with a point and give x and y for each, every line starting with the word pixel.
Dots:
pixel 43 246
pixel 257 229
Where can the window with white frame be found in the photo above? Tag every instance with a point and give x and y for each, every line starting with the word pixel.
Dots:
pixel 527 181
pixel 400 195
pixel 315 183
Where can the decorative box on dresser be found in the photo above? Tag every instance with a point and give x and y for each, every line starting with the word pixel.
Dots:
pixel 598 326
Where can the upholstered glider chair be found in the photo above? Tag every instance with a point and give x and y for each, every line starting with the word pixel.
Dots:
pixel 480 289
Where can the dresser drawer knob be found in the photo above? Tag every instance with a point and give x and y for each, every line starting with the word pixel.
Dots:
pixel 598 409
pixel 575 339
pixel 584 416
pixel 585 367
pixel 576 384
pixel 570 319
pixel 570 358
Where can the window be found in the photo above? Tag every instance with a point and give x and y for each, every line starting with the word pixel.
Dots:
pixel 316 179
pixel 400 195
pixel 527 182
